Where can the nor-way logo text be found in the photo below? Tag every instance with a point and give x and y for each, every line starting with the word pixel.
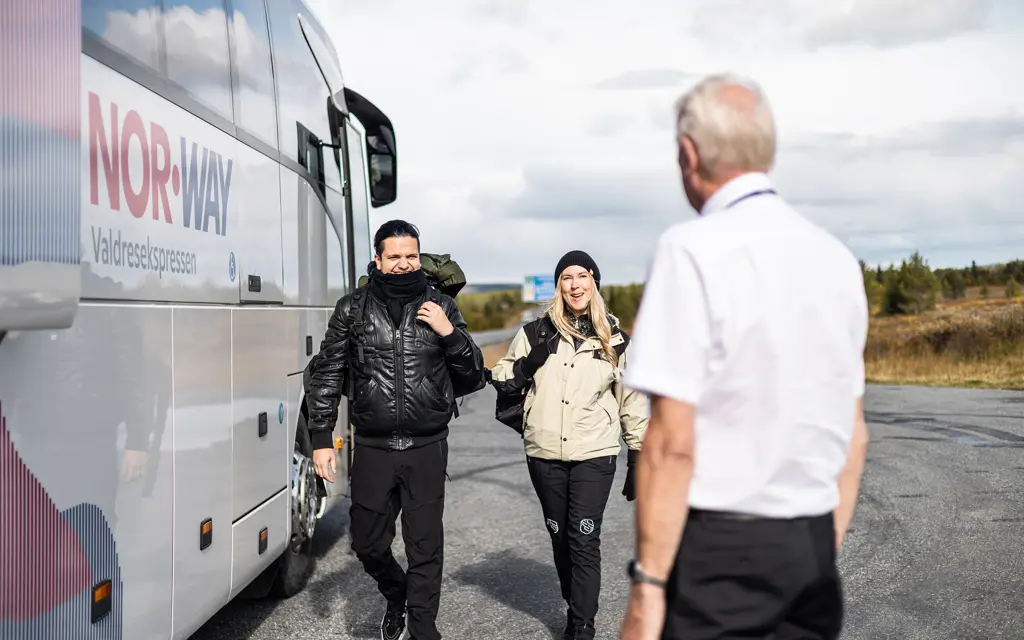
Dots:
pixel 186 185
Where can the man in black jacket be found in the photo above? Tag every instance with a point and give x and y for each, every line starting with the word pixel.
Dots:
pixel 402 360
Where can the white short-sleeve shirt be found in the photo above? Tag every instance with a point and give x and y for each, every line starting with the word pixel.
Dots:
pixel 758 317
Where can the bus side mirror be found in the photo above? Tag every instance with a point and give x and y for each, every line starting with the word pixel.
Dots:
pixel 381 151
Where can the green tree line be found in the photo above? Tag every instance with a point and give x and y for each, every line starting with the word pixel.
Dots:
pixel 498 309
pixel 913 287
pixel 492 309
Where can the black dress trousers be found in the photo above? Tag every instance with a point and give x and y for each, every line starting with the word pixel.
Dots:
pixel 742 577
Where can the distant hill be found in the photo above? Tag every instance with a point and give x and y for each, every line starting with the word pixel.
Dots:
pixel 485 287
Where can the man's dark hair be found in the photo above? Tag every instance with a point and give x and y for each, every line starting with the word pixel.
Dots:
pixel 394 229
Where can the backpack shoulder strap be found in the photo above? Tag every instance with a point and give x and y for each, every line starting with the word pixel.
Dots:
pixel 356 311
pixel 621 347
pixel 538 330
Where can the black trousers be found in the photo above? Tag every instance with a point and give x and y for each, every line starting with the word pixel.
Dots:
pixel 411 481
pixel 573 496
pixel 757 578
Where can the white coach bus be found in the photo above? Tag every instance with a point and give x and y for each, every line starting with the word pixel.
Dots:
pixel 186 187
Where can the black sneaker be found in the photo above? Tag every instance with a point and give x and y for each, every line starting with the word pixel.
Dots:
pixel 584 632
pixel 393 624
pixel 570 626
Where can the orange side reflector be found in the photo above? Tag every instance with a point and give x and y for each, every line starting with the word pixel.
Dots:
pixel 101 601
pixel 205 533
pixel 339 443
pixel 102 592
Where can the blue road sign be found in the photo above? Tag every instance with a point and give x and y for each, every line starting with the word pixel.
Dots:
pixel 538 288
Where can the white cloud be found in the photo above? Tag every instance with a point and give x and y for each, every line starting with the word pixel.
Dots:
pixel 529 128
pixel 890 22
pixel 812 24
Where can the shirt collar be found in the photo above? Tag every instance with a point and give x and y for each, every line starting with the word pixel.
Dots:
pixel 734 189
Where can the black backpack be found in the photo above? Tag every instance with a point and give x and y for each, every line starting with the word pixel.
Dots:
pixel 508 408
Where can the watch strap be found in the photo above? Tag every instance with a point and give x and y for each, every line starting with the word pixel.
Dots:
pixel 638 575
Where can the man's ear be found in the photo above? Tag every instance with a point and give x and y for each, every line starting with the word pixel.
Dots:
pixel 689 161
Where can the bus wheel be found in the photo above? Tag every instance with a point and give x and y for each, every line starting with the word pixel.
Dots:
pixel 296 564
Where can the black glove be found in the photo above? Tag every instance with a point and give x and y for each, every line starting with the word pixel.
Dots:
pixel 629 487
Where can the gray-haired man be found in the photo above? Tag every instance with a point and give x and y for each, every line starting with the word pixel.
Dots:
pixel 756 439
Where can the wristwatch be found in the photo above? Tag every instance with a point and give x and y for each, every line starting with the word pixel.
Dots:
pixel 637 575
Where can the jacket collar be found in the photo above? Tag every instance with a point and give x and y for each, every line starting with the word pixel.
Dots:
pixel 593 343
pixel 734 189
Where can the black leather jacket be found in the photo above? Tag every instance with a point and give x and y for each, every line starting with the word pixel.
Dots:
pixel 404 394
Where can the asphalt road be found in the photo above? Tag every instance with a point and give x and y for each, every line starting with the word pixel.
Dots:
pixel 494 336
pixel 936 550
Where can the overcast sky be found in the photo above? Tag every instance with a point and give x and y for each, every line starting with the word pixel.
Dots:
pixel 527 128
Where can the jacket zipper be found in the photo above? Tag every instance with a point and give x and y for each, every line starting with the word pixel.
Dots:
pixel 400 382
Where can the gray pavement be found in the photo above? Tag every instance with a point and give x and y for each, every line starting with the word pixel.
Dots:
pixel 936 550
pixel 495 336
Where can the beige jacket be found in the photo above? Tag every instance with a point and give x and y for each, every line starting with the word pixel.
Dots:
pixel 576 407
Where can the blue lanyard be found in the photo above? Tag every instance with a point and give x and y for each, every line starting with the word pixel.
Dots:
pixel 750 195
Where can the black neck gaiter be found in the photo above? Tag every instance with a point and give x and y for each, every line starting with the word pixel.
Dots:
pixel 398 289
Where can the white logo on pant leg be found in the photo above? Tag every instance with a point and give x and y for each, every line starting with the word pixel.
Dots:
pixel 586 526
pixel 552 525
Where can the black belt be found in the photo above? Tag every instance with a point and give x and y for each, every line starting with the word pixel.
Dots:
pixel 706 514
pixel 724 515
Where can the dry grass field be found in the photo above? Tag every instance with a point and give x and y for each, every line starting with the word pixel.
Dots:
pixel 971 342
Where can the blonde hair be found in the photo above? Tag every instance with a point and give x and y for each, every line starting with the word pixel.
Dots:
pixel 556 311
pixel 732 130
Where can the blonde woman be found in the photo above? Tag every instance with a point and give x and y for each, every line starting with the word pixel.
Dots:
pixel 574 413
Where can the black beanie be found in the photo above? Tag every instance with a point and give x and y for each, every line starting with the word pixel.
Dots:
pixel 578 259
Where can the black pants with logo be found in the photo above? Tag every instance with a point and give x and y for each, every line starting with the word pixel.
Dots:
pixel 754 578
pixel 573 496
pixel 411 481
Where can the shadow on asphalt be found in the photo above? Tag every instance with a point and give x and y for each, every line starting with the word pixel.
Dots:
pixel 478 470
pixel 526 585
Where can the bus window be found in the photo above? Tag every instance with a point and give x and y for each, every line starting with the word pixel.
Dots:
pixel 302 91
pixel 196 37
pixel 133 27
pixel 256 110
pixel 337 241
pixel 185 42
pixel 360 207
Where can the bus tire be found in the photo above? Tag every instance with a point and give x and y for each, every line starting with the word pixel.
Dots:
pixel 296 563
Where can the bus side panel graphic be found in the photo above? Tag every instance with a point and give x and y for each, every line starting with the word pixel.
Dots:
pixel 52 561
